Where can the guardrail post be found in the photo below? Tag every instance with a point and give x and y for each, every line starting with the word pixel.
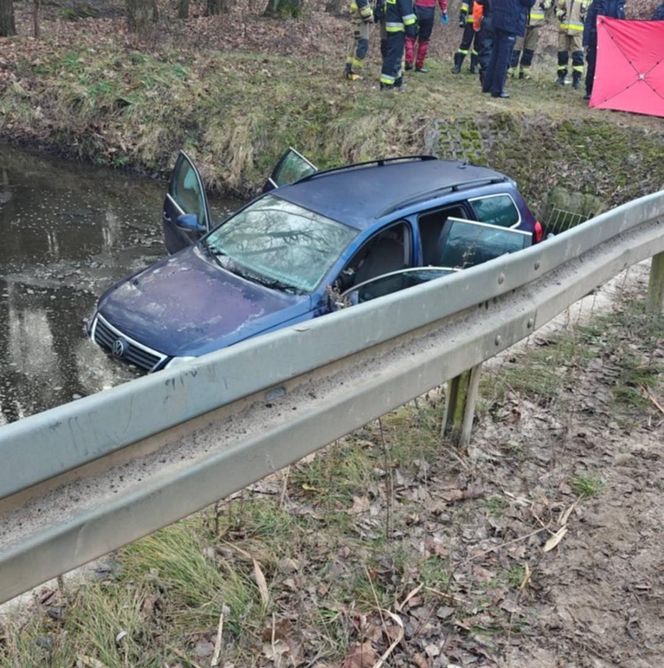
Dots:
pixel 655 302
pixel 462 393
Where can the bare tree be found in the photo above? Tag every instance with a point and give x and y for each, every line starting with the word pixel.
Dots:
pixel 7 22
pixel 183 9
pixel 334 7
pixel 283 8
pixel 35 17
pixel 140 13
pixel 217 7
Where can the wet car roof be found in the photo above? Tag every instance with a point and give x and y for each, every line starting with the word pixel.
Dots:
pixel 357 195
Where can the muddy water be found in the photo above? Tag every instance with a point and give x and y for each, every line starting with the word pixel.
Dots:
pixel 66 233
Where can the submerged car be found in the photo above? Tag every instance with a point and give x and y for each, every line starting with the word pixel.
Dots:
pixel 314 240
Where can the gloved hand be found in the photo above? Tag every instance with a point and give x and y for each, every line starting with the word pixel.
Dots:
pixel 444 19
pixel 368 17
pixel 560 14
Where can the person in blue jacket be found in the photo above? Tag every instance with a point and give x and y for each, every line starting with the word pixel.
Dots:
pixel 659 13
pixel 613 8
pixel 509 19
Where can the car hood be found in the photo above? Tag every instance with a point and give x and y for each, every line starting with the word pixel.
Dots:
pixel 186 304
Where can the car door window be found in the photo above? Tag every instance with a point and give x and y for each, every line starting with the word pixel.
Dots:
pixel 186 189
pixel 393 282
pixel 465 243
pixel 292 166
pixel 431 227
pixel 496 210
pixel 387 251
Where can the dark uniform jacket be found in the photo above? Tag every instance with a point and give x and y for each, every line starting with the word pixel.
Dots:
pixel 511 15
pixel 659 13
pixel 613 8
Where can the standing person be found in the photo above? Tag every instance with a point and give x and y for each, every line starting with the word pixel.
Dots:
pixel 509 22
pixel 659 13
pixel 524 49
pixel 469 43
pixel 424 10
pixel 612 8
pixel 484 38
pixel 571 14
pixel 400 20
pixel 362 17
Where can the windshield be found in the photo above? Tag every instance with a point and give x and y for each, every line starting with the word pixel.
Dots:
pixel 280 244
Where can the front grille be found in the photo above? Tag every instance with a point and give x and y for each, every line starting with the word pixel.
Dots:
pixel 105 335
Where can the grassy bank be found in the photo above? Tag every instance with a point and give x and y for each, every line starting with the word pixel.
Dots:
pixel 388 531
pixel 95 93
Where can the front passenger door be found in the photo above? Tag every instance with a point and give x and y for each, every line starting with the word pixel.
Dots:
pixel 186 214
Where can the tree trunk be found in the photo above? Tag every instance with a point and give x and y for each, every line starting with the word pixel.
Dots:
pixel 183 9
pixel 333 7
pixel 7 23
pixel 216 7
pixel 35 17
pixel 283 8
pixel 140 13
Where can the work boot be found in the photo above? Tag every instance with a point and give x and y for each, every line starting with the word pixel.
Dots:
pixel 525 74
pixel 576 78
pixel 408 66
pixel 511 72
pixel 458 60
pixel 422 70
pixel 352 76
pixel 473 63
pixel 561 78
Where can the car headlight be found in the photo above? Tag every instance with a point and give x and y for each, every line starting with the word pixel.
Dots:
pixel 178 361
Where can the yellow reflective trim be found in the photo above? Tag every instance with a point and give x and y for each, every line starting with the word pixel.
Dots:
pixel 464 51
pixel 387 79
pixel 571 26
pixel 536 17
pixel 394 28
pixel 577 68
pixel 409 20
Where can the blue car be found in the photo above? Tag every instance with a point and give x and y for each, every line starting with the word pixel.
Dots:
pixel 314 241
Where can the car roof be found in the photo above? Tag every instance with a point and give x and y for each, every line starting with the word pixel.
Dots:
pixel 359 194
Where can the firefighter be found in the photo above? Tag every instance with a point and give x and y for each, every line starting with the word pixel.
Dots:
pixel 469 41
pixel 400 21
pixel 484 27
pixel 571 14
pixel 613 8
pixel 362 17
pixel 424 10
pixel 524 50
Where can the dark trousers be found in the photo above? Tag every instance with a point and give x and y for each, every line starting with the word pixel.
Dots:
pixel 591 60
pixel 391 72
pixel 484 46
pixel 501 54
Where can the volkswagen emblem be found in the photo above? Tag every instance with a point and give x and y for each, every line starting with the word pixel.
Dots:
pixel 119 348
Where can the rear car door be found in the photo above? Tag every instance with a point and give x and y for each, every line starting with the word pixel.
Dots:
pixel 186 214
pixel 292 166
pixel 466 243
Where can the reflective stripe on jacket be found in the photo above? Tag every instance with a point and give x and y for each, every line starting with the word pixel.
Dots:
pixel 362 7
pixel 399 16
pixel 571 14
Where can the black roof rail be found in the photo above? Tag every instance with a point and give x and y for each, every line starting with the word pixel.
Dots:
pixel 369 163
pixel 455 187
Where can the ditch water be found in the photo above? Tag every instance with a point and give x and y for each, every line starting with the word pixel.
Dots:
pixel 67 232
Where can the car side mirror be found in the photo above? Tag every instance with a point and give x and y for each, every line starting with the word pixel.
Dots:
pixel 189 223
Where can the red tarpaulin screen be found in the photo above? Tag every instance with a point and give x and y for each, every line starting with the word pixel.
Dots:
pixel 630 66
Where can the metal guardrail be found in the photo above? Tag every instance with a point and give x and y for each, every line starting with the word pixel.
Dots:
pixel 82 479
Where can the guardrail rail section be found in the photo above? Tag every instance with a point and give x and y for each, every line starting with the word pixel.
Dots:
pixel 85 478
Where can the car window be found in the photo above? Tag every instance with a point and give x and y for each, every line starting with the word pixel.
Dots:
pixel 496 210
pixel 186 190
pixel 392 282
pixel 465 243
pixel 388 250
pixel 280 241
pixel 431 227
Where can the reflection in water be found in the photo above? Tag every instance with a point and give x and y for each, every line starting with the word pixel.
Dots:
pixel 67 232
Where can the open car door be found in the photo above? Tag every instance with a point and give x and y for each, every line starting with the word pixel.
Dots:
pixel 292 166
pixel 186 216
pixel 465 243
pixel 391 282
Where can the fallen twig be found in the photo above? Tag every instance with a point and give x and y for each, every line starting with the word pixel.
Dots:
pixel 217 643
pixel 390 649
pixel 653 399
